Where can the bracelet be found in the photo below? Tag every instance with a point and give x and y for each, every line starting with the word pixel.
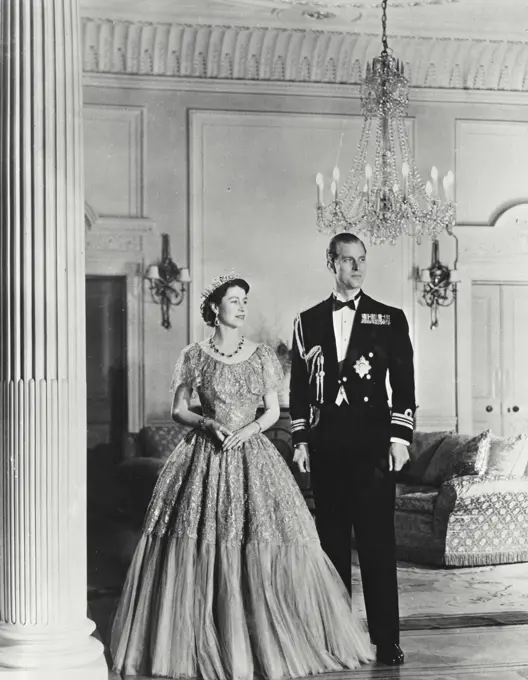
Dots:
pixel 259 426
pixel 201 423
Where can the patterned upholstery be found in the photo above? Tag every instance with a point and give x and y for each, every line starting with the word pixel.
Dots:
pixel 469 520
pixel 489 519
pixel 420 499
pixel 159 441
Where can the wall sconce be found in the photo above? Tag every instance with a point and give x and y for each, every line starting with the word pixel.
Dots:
pixel 162 278
pixel 439 282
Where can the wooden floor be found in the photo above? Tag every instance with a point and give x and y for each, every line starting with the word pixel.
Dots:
pixel 459 654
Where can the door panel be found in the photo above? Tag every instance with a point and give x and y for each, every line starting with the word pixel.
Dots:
pixel 486 358
pixel 106 359
pixel 515 358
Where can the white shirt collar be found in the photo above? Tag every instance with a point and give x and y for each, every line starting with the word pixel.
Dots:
pixel 341 298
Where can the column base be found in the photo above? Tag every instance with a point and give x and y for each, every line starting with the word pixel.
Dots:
pixel 95 671
pixel 50 652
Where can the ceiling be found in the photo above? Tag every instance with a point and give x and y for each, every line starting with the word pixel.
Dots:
pixel 496 20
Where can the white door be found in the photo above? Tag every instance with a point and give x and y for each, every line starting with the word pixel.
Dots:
pixel 515 359
pixel 486 358
pixel 500 358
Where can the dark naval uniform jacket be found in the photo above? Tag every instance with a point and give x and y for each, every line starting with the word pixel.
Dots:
pixel 379 345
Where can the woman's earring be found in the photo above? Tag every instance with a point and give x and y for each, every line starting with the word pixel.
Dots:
pixel 217 323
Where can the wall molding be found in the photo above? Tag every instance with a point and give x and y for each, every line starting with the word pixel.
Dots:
pixel 494 137
pixel 107 234
pixel 134 118
pixel 96 223
pixel 294 55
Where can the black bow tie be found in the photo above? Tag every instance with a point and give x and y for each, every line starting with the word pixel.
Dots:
pixel 338 304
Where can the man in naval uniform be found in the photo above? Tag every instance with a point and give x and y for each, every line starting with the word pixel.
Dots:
pixel 349 437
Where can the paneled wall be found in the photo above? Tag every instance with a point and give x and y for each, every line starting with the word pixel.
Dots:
pixel 227 169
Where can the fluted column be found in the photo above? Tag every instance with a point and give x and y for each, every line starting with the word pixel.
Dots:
pixel 44 631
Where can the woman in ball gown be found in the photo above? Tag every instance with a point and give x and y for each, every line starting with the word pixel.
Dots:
pixel 228 580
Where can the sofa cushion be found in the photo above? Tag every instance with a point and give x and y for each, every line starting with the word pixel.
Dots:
pixel 421 451
pixel 508 457
pixel 458 455
pixel 414 498
pixel 159 441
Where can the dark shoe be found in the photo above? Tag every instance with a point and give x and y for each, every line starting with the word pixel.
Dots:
pixel 391 655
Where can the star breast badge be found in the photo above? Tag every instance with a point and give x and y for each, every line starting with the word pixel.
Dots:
pixel 376 319
pixel 362 367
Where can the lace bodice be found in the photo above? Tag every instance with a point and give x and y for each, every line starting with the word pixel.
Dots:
pixel 230 393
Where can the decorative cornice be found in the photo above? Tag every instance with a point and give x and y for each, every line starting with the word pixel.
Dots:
pixel 271 54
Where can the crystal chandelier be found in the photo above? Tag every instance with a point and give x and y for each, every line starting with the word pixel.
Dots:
pixel 381 200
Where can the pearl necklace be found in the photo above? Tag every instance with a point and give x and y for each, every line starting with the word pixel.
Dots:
pixel 223 354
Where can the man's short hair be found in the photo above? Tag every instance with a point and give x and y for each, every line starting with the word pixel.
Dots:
pixel 343 237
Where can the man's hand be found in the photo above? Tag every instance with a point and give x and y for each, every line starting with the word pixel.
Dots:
pixel 398 456
pixel 301 456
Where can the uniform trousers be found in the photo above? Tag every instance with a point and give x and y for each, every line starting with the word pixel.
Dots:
pixel 353 487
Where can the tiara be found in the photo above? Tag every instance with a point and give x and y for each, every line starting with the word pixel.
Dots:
pixel 216 283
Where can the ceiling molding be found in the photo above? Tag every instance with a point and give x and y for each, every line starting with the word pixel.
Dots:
pixel 292 55
pixel 313 90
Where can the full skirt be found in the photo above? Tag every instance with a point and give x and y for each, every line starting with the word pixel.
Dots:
pixel 228 580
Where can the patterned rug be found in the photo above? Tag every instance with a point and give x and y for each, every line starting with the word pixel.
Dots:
pixel 451 598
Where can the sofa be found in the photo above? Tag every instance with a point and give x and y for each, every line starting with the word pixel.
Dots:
pixel 463 500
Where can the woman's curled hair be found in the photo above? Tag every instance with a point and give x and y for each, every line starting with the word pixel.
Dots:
pixel 215 298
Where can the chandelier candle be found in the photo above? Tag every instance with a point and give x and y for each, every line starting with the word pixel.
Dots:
pixel 320 187
pixel 382 200
pixel 434 177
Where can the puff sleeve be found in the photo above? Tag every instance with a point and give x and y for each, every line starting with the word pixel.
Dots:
pixel 184 371
pixel 272 373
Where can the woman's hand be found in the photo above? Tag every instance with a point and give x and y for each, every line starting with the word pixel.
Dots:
pixel 240 436
pixel 216 429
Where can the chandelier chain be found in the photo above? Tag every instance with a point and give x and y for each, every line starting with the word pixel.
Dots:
pixel 384 40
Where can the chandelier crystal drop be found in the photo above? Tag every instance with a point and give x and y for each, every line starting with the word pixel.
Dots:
pixel 383 195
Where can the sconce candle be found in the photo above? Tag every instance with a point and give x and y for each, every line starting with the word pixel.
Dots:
pixel 454 276
pixel 152 272
pixel 185 275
